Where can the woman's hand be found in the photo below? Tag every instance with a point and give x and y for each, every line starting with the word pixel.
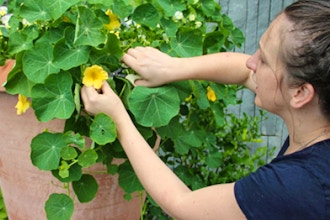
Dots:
pixel 106 102
pixel 155 67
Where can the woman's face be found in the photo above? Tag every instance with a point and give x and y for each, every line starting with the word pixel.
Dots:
pixel 269 69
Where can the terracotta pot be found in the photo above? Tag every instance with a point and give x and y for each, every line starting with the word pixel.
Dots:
pixel 4 70
pixel 25 188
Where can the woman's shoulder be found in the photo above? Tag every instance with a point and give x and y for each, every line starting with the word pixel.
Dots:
pixel 289 184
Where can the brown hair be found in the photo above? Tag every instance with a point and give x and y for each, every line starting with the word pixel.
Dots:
pixel 307 57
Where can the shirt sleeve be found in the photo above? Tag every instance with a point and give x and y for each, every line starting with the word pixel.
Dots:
pixel 281 191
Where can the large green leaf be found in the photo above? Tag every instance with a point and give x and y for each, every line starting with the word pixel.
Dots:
pixel 54 99
pixel 209 6
pixel 169 26
pixel 172 6
pixel 87 158
pixel 147 15
pixel 59 207
pixel 214 42
pixel 110 54
pixel 154 107
pixel 18 42
pixel 17 82
pixel 200 93
pixel 33 10
pixel 73 139
pixel 214 160
pixel 187 139
pixel 57 7
pixel 121 8
pixel 188 42
pixel 127 179
pixel 85 188
pixel 38 62
pixel 103 129
pixel 88 30
pixel 67 57
pixel 45 150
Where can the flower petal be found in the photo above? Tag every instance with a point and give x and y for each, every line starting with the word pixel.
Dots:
pixel 94 76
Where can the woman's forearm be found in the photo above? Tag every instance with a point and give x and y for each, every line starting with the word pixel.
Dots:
pixel 224 68
pixel 158 180
pixel 157 68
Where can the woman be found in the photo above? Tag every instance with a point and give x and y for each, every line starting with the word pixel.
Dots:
pixel 290 74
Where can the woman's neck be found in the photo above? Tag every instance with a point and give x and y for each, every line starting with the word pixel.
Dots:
pixel 303 137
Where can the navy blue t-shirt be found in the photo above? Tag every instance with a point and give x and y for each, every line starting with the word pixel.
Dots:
pixel 294 186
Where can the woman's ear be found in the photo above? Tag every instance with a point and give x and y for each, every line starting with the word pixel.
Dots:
pixel 302 95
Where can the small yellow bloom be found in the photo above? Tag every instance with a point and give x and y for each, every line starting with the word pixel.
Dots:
pixel 188 98
pixel 22 105
pixel 211 94
pixel 94 76
pixel 114 21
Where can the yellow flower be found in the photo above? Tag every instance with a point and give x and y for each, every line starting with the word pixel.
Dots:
pixel 114 21
pixel 22 105
pixel 211 94
pixel 188 98
pixel 94 76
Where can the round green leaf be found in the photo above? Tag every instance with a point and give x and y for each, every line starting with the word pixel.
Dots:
pixel 57 7
pixel 154 107
pixel 88 30
pixel 19 42
pixel 214 160
pixel 45 150
pixel 38 62
pixel 171 6
pixel 85 188
pixel 59 207
pixel 71 138
pixel 17 82
pixel 103 129
pixel 33 10
pixel 68 57
pixel 147 15
pixel 127 179
pixel 87 158
pixel 68 153
pixel 54 98
pixel 188 42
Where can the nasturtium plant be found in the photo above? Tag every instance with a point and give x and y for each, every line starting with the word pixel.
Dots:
pixel 46 148
pixel 59 206
pixel 61 45
pixel 160 104
pixel 103 129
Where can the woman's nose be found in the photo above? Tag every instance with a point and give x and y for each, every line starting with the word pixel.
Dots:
pixel 252 62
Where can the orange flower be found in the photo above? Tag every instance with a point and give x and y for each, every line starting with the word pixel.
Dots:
pixel 114 21
pixel 94 76
pixel 22 105
pixel 211 94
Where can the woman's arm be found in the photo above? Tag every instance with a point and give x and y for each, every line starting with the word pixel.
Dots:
pixel 173 196
pixel 157 68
